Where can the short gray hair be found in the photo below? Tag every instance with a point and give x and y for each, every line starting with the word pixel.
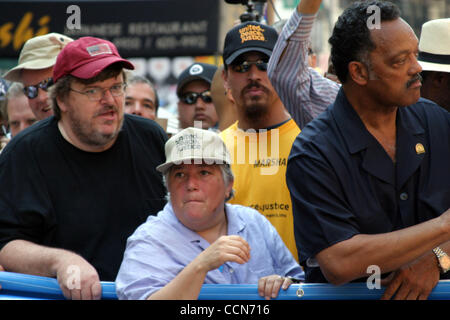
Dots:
pixel 227 175
pixel 14 91
pixel 134 79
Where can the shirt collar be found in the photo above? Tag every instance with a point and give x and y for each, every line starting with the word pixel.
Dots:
pixel 412 145
pixel 410 137
pixel 356 136
pixel 235 222
pixel 170 218
pixel 350 124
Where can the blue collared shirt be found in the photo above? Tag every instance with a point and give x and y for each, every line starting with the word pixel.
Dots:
pixel 343 183
pixel 161 247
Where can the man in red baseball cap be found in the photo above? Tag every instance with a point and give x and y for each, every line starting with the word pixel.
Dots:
pixel 93 62
pixel 84 178
pixel 86 58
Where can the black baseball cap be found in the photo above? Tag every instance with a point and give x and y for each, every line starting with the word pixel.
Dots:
pixel 249 36
pixel 196 71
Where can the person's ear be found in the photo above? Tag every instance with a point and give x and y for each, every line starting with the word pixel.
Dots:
pixel 225 80
pixel 358 72
pixel 229 188
pixel 61 104
pixel 229 96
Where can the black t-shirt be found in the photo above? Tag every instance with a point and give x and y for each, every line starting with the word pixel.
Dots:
pixel 54 194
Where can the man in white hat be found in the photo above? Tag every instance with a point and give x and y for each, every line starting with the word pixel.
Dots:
pixel 434 57
pixel 35 69
pixel 197 238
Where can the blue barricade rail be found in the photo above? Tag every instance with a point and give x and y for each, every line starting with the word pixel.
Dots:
pixel 16 286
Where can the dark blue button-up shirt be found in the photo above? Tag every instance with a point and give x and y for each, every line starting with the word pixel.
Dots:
pixel 343 183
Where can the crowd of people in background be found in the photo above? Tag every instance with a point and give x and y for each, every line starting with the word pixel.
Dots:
pixel 278 174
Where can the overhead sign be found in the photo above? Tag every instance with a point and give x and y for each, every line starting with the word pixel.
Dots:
pixel 138 28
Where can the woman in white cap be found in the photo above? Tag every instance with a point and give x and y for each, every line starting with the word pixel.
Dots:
pixel 198 238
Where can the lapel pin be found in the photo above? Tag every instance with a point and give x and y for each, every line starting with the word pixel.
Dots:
pixel 420 148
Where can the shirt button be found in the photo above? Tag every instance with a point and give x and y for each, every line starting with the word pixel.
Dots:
pixel 231 270
pixel 403 196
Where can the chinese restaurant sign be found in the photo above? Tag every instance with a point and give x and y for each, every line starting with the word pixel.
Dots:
pixel 138 28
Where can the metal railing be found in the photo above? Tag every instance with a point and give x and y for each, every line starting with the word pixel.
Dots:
pixel 16 286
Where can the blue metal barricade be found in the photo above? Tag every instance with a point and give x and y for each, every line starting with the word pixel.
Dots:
pixel 28 287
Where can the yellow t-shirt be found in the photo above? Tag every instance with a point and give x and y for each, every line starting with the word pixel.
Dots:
pixel 259 160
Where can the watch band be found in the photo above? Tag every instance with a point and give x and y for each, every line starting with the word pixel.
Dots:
pixel 294 280
pixel 443 260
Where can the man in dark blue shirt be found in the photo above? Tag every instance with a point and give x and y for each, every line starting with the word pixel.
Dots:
pixel 370 177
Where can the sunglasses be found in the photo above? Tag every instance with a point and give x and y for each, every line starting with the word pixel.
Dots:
pixel 191 97
pixel 246 65
pixel 32 91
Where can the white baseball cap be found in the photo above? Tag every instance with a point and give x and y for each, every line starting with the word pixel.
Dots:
pixel 194 146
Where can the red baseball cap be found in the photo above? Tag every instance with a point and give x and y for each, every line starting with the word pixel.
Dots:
pixel 86 57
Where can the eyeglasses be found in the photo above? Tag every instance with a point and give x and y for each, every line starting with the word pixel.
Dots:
pixel 246 65
pixel 96 93
pixel 33 91
pixel 191 97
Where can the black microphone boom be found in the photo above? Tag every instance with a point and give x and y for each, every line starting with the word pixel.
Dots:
pixel 250 14
pixel 243 2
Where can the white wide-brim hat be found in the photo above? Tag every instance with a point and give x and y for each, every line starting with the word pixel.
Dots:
pixel 38 53
pixel 434 45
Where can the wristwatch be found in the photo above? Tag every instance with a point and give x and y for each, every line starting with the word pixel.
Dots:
pixel 443 259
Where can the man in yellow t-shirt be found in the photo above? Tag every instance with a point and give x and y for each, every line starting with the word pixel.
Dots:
pixel 260 180
pixel 261 139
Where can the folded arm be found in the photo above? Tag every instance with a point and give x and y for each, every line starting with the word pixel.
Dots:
pixel 348 260
pixel 334 239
